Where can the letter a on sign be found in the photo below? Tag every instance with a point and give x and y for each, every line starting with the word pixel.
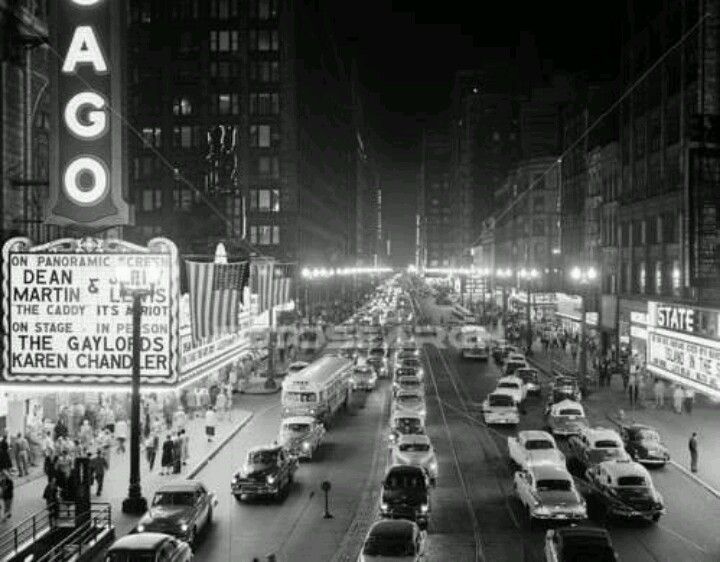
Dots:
pixel 84 49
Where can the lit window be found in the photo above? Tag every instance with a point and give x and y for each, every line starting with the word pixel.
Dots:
pixel 182 106
pixel 260 136
pixel 658 277
pixel 642 277
pixel 253 235
pixel 276 235
pixel 264 200
pixel 151 136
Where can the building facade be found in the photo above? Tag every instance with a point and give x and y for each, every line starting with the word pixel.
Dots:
pixel 237 139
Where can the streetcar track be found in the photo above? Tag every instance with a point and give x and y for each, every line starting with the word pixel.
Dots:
pixel 477 537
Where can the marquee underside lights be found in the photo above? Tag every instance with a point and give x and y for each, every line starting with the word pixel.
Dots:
pixel 324 272
pixel 88 166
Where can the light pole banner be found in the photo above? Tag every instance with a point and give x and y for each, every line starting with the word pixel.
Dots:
pixel 66 320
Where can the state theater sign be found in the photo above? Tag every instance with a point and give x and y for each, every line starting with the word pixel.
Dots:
pixel 87 147
pixel 65 320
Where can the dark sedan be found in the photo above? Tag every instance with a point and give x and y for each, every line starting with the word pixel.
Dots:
pixel 182 509
pixel 644 445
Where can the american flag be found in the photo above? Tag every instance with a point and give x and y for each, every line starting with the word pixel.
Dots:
pixel 271 283
pixel 215 296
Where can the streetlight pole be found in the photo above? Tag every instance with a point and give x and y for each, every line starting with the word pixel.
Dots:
pixel 135 503
pixel 584 276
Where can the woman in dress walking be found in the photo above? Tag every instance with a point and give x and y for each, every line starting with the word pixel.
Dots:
pixel 166 462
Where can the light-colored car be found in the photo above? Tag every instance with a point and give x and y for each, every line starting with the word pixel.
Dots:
pixel 548 493
pixel 533 448
pixel 624 488
pixel 500 408
pixel 416 450
pixel 183 509
pixel 301 435
pixel 410 383
pixel 514 386
pixel 393 540
pixel 410 402
pixel 149 547
pixel 566 418
pixel 406 423
pixel 363 377
pixel 592 446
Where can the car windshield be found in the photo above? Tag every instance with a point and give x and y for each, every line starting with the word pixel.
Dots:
pixel 570 412
pixel 528 376
pixel 301 396
pixel 606 444
pixel 386 546
pixel 408 400
pixel 297 427
pixel 637 481
pixel 263 457
pixel 411 363
pixel 377 351
pixel 414 447
pixel 588 553
pixel 408 381
pixel 649 435
pixel 363 371
pixel 599 455
pixel 173 498
pixel 500 400
pixel 553 485
pixel 404 481
pixel 512 385
pixel 130 556
pixel 406 424
pixel 537 444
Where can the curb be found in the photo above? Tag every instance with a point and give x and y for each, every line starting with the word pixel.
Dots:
pixel 203 463
pixel 681 468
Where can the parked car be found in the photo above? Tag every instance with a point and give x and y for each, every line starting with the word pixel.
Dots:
pixel 578 543
pixel 149 547
pixel 301 435
pixel 592 446
pixel 548 493
pixel 533 448
pixel 623 488
pixel 406 494
pixel 566 418
pixel 183 509
pixel 500 408
pixel 268 471
pixel 644 444
pixel 416 450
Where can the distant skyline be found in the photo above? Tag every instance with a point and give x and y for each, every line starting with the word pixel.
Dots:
pixel 408 52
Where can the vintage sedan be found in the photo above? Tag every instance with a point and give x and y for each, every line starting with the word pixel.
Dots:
pixel 548 493
pixel 416 450
pixel 500 408
pixel 393 539
pixel 363 377
pixel 301 435
pixel 566 418
pixel 567 386
pixel 644 445
pixel 406 423
pixel 575 543
pixel 531 380
pixel 533 448
pixel 182 509
pixel 268 471
pixel 409 402
pixel 592 446
pixel 410 383
pixel 623 488
pixel 149 547
pixel 514 386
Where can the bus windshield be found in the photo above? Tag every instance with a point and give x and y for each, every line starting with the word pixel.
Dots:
pixel 301 396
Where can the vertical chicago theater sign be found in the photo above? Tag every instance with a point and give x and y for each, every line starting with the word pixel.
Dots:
pixel 87 162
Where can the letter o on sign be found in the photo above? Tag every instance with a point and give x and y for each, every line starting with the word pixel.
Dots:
pixel 90 167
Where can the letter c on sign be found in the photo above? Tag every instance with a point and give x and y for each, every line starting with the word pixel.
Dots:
pixel 86 2
pixel 96 119
pixel 94 168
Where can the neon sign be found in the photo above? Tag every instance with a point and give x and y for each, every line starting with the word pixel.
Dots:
pixel 88 166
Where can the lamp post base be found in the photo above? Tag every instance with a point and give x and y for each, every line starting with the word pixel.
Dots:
pixel 134 504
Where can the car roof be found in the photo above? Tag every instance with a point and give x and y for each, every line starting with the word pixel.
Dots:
pixel 528 369
pixel 269 447
pixel 139 541
pixel 568 404
pixel 414 439
pixel 531 434
pixel 599 433
pixel 510 378
pixel 408 393
pixel 299 419
pixel 180 486
pixel 620 468
pixel 639 427
pixel 550 471
pixel 501 392
pixel 405 468
pixel 393 528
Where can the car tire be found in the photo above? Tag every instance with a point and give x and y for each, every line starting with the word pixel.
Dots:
pixel 209 520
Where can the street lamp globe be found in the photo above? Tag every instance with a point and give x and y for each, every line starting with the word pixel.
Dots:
pixel 534 273
pixel 575 273
pixel 592 273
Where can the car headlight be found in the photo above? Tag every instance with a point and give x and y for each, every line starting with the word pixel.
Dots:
pixel 312 411
pixel 183 527
pixel 542 510
pixel 384 506
pixel 140 528
pixel 433 466
pixel 270 479
pixel 424 508
pixel 305 445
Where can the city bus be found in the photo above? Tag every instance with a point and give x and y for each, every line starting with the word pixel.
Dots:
pixel 319 390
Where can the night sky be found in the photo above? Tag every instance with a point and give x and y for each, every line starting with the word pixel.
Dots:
pixel 408 51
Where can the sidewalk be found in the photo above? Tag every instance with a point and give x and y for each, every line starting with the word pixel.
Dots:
pixel 612 404
pixel 28 496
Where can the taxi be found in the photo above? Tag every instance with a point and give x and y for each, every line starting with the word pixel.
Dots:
pixel 500 408
pixel 301 435
pixel 514 386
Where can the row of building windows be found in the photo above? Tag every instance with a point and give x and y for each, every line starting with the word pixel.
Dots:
pixel 653 230
pixel 264 235
pixel 264 136
pixel 265 200
pixel 145 11
pixel 193 136
pixel 261 103
pixel 657 278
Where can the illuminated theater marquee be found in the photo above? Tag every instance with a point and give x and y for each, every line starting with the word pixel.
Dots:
pixel 88 164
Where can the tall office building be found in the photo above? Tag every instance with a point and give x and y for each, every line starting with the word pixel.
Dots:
pixel 239 137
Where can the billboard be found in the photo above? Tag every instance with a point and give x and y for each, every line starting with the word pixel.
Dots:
pixel 87 149
pixel 66 319
pixel 677 350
